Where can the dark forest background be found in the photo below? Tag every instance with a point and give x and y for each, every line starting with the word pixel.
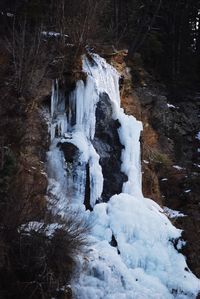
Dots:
pixel 165 32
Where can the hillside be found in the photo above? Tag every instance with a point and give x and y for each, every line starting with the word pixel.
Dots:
pixel 76 214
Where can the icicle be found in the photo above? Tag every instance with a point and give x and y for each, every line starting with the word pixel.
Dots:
pixel 52 99
pixel 96 177
pixel 79 123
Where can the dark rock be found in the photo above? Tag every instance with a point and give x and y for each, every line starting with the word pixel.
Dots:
pixel 176 129
pixel 87 189
pixel 198 297
pixel 113 241
pixel 64 294
pixel 108 146
pixel 70 151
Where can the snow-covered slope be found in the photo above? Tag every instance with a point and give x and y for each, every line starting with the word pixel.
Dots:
pixel 132 253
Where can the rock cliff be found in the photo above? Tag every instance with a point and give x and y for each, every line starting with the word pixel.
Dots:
pixel 170 149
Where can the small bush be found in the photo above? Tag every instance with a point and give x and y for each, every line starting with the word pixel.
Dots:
pixel 161 158
pixel 156 156
pixel 39 258
pixel 29 59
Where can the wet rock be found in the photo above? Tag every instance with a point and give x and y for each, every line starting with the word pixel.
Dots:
pixel 113 241
pixel 108 146
pixel 70 151
pixel 87 189
pixel 150 184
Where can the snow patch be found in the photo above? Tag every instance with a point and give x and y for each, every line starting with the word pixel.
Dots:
pixel 198 136
pixel 40 226
pixel 187 191
pixel 178 167
pixel 53 33
pixel 172 106
pixel 173 213
pixel 197 165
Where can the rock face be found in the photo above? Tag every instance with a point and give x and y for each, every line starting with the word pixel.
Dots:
pixel 31 179
pixel 170 150
pixel 108 146
pixel 178 174
pixel 70 151
pixel 131 101
pixel 24 134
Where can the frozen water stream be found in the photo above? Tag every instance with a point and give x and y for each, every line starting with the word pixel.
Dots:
pixel 143 264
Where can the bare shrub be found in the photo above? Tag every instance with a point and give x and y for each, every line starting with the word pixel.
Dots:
pixel 37 253
pixel 29 58
pixel 41 257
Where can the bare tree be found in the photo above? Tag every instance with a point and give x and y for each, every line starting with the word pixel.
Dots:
pixel 28 56
pixel 145 23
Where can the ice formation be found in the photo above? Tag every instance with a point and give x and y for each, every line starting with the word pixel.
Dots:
pixel 142 262
pixel 198 136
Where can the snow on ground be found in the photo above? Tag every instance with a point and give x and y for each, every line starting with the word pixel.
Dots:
pixel 187 191
pixel 53 33
pixel 172 106
pixel 8 14
pixel 172 213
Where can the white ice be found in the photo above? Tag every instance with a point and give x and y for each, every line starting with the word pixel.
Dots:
pixel 69 181
pixel 144 263
pixel 107 80
pixel 148 266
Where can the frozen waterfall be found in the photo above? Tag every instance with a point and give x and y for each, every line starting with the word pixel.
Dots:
pixel 143 263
